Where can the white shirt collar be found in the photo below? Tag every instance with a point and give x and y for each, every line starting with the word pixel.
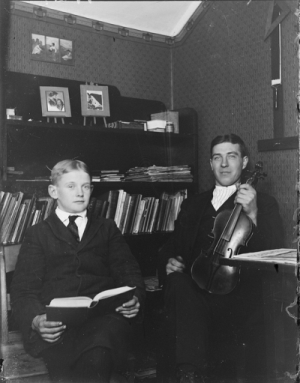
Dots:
pixel 221 194
pixel 64 216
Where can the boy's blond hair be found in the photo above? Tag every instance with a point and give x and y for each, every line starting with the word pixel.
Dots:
pixel 67 166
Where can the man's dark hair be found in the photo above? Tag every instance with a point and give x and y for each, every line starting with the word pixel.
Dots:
pixel 232 138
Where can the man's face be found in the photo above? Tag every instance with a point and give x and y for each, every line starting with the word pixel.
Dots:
pixel 72 191
pixel 227 163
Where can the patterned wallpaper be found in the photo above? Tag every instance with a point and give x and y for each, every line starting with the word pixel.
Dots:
pixel 223 70
pixel 136 69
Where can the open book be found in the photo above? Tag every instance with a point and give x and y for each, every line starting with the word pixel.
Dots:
pixel 73 311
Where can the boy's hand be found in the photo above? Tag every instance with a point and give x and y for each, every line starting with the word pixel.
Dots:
pixel 129 309
pixel 49 331
pixel 175 264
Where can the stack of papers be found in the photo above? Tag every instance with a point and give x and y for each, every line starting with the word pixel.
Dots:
pixel 107 176
pixel 178 173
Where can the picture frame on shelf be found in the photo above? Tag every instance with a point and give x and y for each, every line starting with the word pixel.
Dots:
pixel 94 101
pixel 52 49
pixel 55 101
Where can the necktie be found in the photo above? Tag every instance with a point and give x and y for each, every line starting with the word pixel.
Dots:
pixel 73 227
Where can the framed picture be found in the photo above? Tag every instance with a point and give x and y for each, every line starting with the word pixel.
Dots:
pixel 66 52
pixel 55 101
pixel 94 100
pixel 52 49
pixel 38 46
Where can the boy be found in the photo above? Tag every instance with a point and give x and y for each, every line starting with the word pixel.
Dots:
pixel 54 262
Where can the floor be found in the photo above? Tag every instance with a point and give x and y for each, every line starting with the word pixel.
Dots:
pixel 225 372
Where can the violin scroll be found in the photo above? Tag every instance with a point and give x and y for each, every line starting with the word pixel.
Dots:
pixel 256 175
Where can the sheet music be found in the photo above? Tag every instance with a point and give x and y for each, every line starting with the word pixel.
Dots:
pixel 276 256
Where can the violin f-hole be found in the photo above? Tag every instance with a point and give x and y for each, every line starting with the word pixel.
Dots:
pixel 231 253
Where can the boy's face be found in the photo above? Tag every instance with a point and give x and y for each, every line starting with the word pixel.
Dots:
pixel 72 191
pixel 227 163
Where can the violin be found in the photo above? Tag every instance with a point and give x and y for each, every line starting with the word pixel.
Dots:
pixel 232 230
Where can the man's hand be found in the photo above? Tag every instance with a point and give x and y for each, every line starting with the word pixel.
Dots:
pixel 246 196
pixel 175 264
pixel 49 331
pixel 130 309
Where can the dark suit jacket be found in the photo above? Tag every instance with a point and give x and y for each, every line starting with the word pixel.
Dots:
pixel 52 264
pixel 267 235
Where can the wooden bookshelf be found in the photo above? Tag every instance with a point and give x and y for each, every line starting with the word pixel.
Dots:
pixel 34 147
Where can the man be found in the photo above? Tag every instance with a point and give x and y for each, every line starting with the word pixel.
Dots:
pixel 191 312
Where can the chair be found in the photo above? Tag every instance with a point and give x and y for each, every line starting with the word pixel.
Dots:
pixel 18 366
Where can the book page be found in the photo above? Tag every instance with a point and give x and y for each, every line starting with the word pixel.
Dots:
pixel 112 292
pixel 71 302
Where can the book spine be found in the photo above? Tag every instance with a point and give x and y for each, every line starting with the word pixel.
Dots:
pixel 135 208
pixel 92 205
pixel 162 207
pixel 21 230
pixel 154 215
pixel 149 214
pixel 4 206
pixel 119 208
pixel 7 219
pixel 144 214
pixel 138 217
pixel 28 217
pixel 113 201
pixel 109 199
pixel 125 213
pixel 50 207
pixel 98 207
pixel 13 237
pixel 132 202
pixel 104 209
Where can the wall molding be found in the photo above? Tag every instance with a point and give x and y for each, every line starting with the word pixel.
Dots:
pixel 106 29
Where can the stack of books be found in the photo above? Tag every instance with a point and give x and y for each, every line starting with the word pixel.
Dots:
pixel 138 174
pixel 107 176
pixel 17 213
pixel 135 214
pixel 136 124
pixel 177 173
pixel 11 171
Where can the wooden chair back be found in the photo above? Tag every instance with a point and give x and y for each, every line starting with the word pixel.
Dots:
pixel 8 260
pixel 17 364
